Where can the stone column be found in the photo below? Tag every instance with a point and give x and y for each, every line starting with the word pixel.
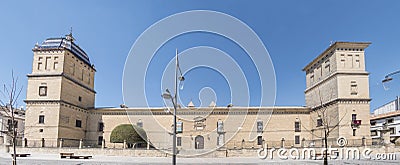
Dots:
pixel 61 142
pixel 364 143
pixel 148 144
pixel 25 143
pixel 80 143
pixel 43 142
pixel 124 147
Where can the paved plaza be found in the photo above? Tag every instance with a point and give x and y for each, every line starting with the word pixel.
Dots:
pixel 36 159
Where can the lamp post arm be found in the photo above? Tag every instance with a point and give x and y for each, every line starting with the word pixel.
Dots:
pixel 391 74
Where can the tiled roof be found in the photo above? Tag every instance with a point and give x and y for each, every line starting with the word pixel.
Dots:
pixel 63 42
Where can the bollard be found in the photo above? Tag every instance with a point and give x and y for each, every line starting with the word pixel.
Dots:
pixel 80 144
pixel 61 142
pixel 25 142
pixel 148 144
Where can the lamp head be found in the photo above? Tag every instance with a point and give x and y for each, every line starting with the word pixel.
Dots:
pixel 387 79
pixel 166 94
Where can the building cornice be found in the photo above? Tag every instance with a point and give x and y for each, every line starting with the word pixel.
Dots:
pixel 61 102
pixel 203 111
pixel 343 101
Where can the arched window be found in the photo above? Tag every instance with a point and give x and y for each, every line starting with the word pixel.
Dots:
pixel 199 142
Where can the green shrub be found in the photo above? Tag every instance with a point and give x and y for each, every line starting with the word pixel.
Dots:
pixel 130 133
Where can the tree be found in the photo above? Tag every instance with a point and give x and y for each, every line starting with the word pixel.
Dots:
pixel 10 94
pixel 327 121
pixel 129 132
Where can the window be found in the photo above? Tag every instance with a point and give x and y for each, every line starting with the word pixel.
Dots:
pixel 101 127
pixel 342 61
pixel 89 78
pixel 47 63
pixel 179 127
pixel 319 69
pixel 178 141
pixel 40 130
pixel 350 60
pixel 319 122
pixel 220 140
pixel 72 69
pixel 354 132
pixel 40 63
pixel 312 78
pixel 259 126
pixel 296 139
pixel 220 126
pixel 374 133
pixel 328 66
pixel 42 90
pixel 100 140
pixel 259 140
pixel 79 98
pixel 390 121
pixel 392 130
pixel 353 87
pixel 55 66
pixel 353 117
pixel 373 123
pixel 78 123
pixel 9 123
pixel 139 123
pixel 297 126
pixel 82 75
pixel 357 62
pixel 41 119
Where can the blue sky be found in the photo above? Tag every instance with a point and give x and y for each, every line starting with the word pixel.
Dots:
pixel 294 33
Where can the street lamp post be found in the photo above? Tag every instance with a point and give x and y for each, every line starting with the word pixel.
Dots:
pixel 167 95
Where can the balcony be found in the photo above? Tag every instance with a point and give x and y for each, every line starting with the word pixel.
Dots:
pixel 355 123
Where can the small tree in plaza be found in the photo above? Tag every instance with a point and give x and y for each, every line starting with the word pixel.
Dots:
pixel 326 121
pixel 9 97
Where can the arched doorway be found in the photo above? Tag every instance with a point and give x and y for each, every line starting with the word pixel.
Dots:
pixel 199 142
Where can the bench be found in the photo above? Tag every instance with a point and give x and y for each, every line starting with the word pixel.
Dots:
pixel 80 157
pixel 21 155
pixel 72 156
pixel 66 154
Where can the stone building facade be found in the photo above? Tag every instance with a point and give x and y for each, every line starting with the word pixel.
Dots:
pixel 61 95
pixel 6 128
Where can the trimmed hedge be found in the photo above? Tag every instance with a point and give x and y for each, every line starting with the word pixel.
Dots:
pixel 129 132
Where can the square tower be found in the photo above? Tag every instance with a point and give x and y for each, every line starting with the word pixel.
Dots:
pixel 337 91
pixel 60 91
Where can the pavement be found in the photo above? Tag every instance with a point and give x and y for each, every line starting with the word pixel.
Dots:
pixel 39 159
